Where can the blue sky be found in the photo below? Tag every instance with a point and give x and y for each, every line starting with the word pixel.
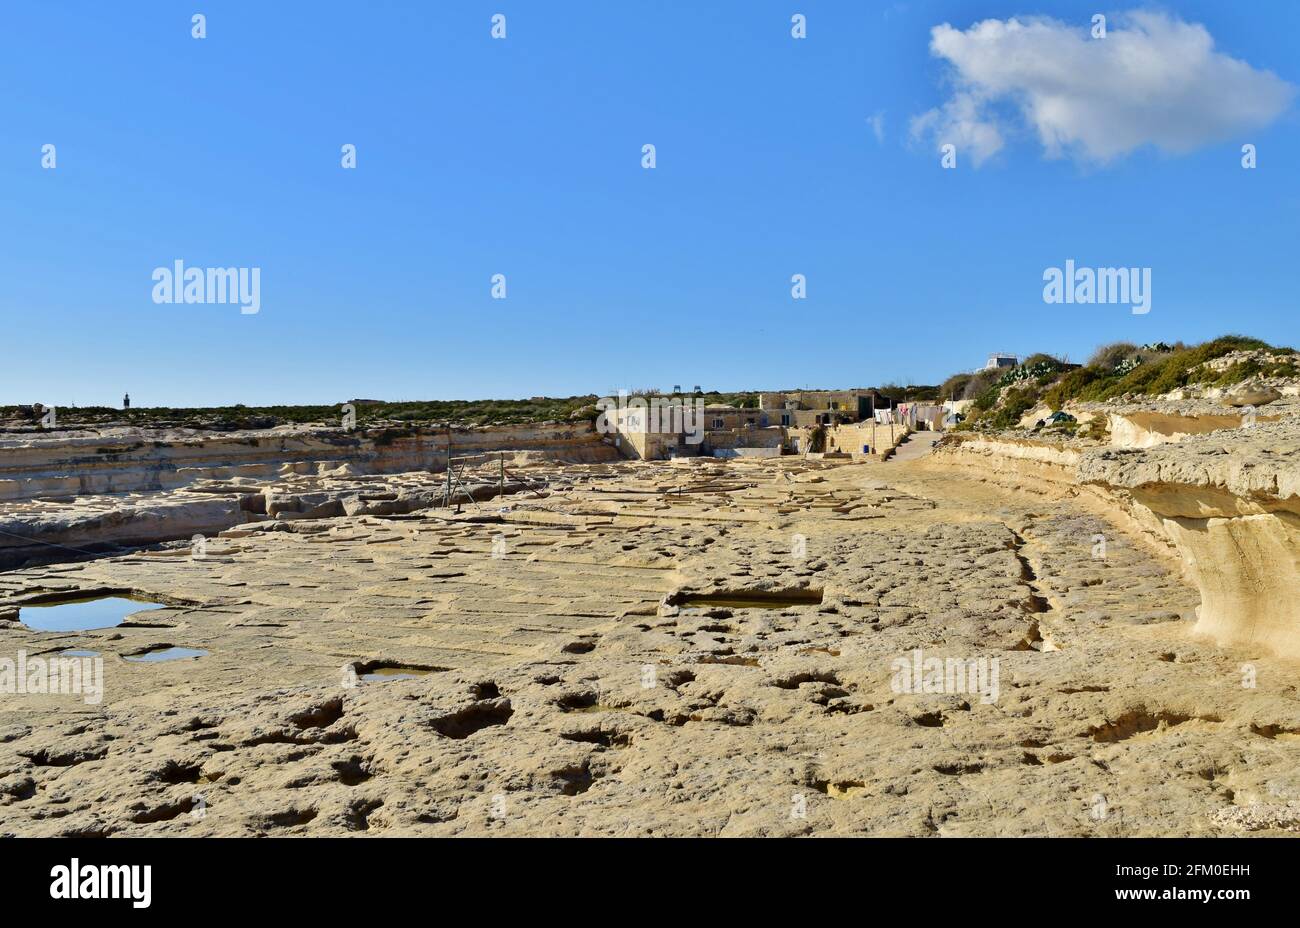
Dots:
pixel 523 157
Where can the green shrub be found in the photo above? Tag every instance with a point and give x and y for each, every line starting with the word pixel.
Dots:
pixel 955 386
pixel 979 384
pixel 1170 372
pixel 1070 386
pixel 1097 428
pixel 1015 404
pixel 986 400
pixel 1107 356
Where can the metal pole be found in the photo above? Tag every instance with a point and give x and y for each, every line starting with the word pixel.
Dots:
pixel 447 500
pixel 502 494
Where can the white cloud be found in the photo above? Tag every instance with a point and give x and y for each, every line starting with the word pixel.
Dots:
pixel 877 123
pixel 1153 80
pixel 961 123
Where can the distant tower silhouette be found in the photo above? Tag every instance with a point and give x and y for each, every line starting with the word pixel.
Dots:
pixel 126 401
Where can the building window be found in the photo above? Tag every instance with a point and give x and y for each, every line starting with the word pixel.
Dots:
pixel 717 423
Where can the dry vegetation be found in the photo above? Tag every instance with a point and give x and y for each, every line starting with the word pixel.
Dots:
pixel 1116 370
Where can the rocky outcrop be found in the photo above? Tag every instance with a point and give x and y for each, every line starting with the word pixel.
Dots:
pixel 1145 427
pixel 1226 502
pixel 79 495
pixel 1011 460
pixel 69 532
pixel 122 460
pixel 1251 393
pixel 1230 501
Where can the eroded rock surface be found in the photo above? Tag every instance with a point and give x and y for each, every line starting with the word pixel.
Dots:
pixel 548 675
pixel 95 492
pixel 1230 501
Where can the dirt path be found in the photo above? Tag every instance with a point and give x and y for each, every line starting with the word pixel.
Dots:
pixel 916 445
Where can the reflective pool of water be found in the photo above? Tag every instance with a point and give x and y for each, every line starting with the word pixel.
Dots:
pixel 167 654
pixel 81 614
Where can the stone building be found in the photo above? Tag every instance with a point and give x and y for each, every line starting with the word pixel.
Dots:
pixel 781 423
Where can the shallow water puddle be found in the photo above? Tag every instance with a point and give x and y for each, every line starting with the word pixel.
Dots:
pixel 166 654
pixel 83 613
pixel 78 652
